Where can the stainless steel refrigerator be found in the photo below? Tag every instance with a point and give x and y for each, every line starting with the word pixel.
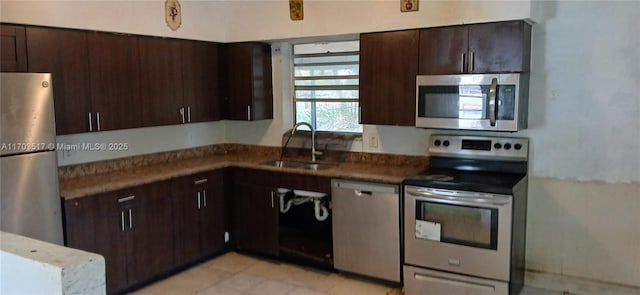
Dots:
pixel 29 190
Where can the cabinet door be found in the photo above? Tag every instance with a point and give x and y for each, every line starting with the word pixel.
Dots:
pixel 111 239
pixel 151 229
pixel 212 211
pixel 114 80
pixel 500 47
pixel 14 49
pixel 79 222
pixel 444 50
pixel 63 53
pixel 249 94
pixel 388 69
pixel 256 219
pixel 161 81
pixel 200 72
pixel 186 221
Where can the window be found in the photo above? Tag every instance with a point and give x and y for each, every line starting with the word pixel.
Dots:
pixel 326 79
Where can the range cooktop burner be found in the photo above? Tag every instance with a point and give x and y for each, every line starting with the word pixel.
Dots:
pixel 436 177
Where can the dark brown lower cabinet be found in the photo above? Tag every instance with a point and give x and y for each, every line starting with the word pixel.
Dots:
pixel 256 224
pixel 131 228
pixel 198 206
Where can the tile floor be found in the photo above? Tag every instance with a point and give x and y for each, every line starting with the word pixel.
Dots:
pixel 237 274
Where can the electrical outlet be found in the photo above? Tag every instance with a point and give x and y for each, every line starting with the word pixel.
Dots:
pixel 408 5
pixel 373 141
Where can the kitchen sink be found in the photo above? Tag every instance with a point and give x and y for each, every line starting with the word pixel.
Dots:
pixel 298 165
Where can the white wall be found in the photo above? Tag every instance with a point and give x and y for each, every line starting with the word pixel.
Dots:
pixel 585 142
pixel 270 19
pixel 201 20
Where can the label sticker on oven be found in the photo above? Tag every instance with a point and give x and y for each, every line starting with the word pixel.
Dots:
pixel 427 230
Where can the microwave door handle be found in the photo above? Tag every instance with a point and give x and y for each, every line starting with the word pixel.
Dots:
pixel 472 201
pixel 493 104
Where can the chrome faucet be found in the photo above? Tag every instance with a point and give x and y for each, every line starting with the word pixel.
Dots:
pixel 314 153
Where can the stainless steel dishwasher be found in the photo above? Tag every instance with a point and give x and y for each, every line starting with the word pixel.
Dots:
pixel 366 228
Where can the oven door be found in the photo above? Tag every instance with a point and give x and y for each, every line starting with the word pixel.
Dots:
pixel 475 102
pixel 458 231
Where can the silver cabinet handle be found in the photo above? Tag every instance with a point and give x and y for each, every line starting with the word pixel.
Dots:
pixel 359 114
pixel 182 114
pixel 204 196
pixel 462 63
pixel 198 194
pixel 130 219
pixel 248 113
pixel 200 181
pixel 126 199
pixel 122 220
pixel 90 123
pixel 189 114
pixel 493 107
pixel 98 120
pixel 273 205
pixel 471 62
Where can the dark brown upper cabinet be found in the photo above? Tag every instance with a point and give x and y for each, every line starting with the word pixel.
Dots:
pixel 179 80
pixel 63 53
pixel 201 85
pixel 161 82
pixel 114 81
pixel 248 88
pixel 388 69
pixel 500 47
pixel 13 49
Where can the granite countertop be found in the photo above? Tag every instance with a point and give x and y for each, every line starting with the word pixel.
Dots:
pixel 371 169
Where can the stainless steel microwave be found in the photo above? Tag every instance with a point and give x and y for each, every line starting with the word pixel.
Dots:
pixel 491 102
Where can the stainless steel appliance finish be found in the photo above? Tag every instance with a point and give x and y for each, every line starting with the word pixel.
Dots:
pixel 458 256
pixel 493 102
pixel 425 281
pixel 29 193
pixel 465 217
pixel 366 229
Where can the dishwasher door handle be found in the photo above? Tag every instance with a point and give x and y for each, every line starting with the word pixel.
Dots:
pixel 366 188
pixel 360 193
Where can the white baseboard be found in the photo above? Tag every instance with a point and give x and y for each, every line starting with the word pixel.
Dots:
pixel 576 285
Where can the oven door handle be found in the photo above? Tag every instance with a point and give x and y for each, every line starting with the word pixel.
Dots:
pixel 467 200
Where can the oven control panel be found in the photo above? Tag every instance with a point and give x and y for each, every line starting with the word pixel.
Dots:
pixel 505 148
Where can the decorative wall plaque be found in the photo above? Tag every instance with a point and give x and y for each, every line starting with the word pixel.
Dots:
pixel 408 5
pixel 173 14
pixel 296 10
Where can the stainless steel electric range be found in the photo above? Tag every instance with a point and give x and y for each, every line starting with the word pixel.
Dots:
pixel 465 217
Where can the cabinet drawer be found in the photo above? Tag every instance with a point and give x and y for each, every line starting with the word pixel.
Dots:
pixel 422 281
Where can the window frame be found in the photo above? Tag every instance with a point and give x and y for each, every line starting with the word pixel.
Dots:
pixel 313 101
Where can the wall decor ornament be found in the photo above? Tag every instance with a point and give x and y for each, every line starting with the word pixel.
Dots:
pixel 408 5
pixel 296 10
pixel 173 14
